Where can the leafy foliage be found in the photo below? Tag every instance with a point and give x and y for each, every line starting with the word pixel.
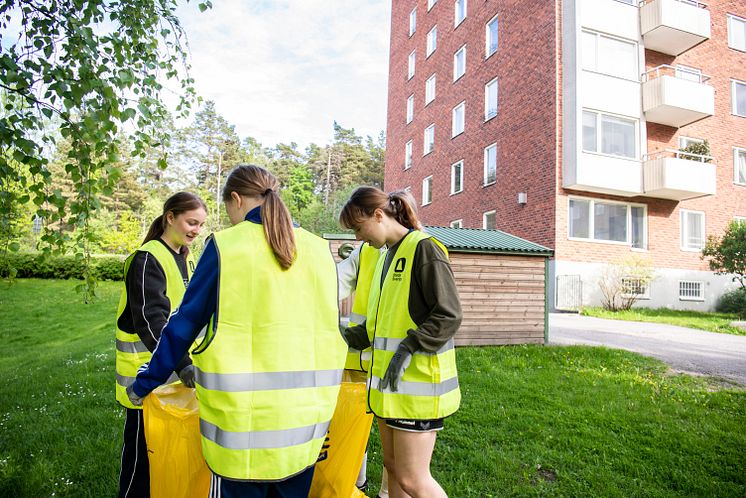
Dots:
pixel 622 281
pixel 697 148
pixel 727 255
pixel 733 302
pixel 37 265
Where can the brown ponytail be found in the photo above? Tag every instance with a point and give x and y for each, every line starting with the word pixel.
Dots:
pixel 178 203
pixel 254 181
pixel 365 200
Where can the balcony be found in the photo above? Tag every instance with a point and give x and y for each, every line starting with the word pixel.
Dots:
pixel 604 174
pixel 676 96
pixel 675 175
pixel 674 26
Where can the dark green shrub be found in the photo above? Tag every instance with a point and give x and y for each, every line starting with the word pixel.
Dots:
pixel 733 302
pixel 35 265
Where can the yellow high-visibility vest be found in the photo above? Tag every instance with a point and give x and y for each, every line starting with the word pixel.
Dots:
pixel 131 353
pixel 269 370
pixel 356 359
pixel 428 388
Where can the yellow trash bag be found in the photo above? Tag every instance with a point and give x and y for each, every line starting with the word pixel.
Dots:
pixel 177 468
pixel 344 448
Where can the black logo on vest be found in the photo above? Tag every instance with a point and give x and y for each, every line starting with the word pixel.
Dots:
pixel 401 263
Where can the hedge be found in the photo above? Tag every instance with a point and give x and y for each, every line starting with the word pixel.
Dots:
pixel 35 265
pixel 733 302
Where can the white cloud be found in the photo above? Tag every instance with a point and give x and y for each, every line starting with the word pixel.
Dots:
pixel 283 71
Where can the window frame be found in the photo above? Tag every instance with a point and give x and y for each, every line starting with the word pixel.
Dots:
pixel 455 63
pixel 487 116
pixel 487 53
pixel 484 219
pixel 633 76
pixel 734 83
pixel 425 151
pixel 429 181
pixel 699 284
pixel 454 112
pixel 460 177
pixel 410 109
pixel 645 294
pixel 430 4
pixel 460 222
pixel 736 152
pixel 591 222
pixel 683 232
pixel 432 36
pixel 690 140
pixel 427 82
pixel 411 63
pixel 412 22
pixel 599 134
pixel 408 154
pixel 733 17
pixel 485 183
pixel 456 21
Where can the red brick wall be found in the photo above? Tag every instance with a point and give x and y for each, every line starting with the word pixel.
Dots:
pixel 524 128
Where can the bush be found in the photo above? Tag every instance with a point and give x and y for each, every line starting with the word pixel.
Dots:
pixel 733 302
pixel 35 265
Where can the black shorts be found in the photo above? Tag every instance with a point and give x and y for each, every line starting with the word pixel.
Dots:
pixel 415 425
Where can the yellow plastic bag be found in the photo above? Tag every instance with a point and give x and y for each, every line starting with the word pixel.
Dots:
pixel 177 468
pixel 344 448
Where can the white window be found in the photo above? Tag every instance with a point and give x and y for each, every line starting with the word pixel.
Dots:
pixel 410 65
pixel 635 287
pixel 737 219
pixel 490 164
pixel 607 55
pixel 688 73
pixel 685 142
pixel 413 21
pixel 432 41
pixel 427 190
pixel 430 89
pixel 457 119
pixel 491 37
pixel 460 12
pixel 429 141
pixel 739 165
pixel 738 90
pixel 430 4
pixel 489 220
pixel 459 63
pixel 408 155
pixel 691 290
pixel 617 136
pixel 410 108
pixel 457 223
pixel 490 100
pixel 457 177
pixel 737 32
pixel 692 230
pixel 607 221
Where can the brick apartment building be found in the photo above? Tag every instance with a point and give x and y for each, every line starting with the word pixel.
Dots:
pixel 560 121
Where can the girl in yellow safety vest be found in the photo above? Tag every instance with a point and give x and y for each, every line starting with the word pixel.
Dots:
pixel 156 276
pixel 412 316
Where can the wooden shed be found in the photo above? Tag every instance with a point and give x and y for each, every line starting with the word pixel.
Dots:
pixel 502 283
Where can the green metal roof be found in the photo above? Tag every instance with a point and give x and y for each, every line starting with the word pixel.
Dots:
pixel 476 240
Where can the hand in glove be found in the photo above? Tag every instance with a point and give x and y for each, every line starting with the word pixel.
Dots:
pixel 134 398
pixel 356 337
pixel 186 375
pixel 399 362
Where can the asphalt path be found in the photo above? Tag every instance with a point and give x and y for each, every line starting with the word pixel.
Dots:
pixel 686 350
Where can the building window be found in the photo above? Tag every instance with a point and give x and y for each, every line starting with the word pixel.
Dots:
pixel 457 119
pixel 459 63
pixel 430 89
pixel 457 224
pixel 490 100
pixel 691 290
pixel 427 190
pixel 685 142
pixel 489 220
pixel 490 164
pixel 410 108
pixel 460 12
pixel 410 65
pixel 457 177
pixel 737 219
pixel 432 41
pixel 635 287
pixel 408 155
pixel 738 90
pixel 429 142
pixel 430 4
pixel 737 32
pixel 692 230
pixel 607 221
pixel 607 55
pixel 688 73
pixel 739 165
pixel 617 136
pixel 491 37
pixel 413 21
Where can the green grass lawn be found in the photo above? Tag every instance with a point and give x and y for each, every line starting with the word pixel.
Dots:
pixel 535 421
pixel 712 322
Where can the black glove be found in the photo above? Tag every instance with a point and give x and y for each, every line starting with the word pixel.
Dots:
pixel 356 338
pixel 399 362
pixel 134 398
pixel 186 375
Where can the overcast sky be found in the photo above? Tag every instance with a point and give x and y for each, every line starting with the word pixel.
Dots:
pixel 283 71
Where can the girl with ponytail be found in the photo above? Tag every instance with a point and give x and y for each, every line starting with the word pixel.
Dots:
pixel 412 316
pixel 272 357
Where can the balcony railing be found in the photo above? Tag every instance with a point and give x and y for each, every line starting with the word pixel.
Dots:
pixel 676 175
pixel 674 26
pixel 676 96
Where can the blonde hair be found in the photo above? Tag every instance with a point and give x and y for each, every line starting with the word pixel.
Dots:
pixel 255 181
pixel 365 200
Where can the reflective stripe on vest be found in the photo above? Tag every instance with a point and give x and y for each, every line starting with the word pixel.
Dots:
pixel 268 375
pixel 131 353
pixel 356 359
pixel 428 388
